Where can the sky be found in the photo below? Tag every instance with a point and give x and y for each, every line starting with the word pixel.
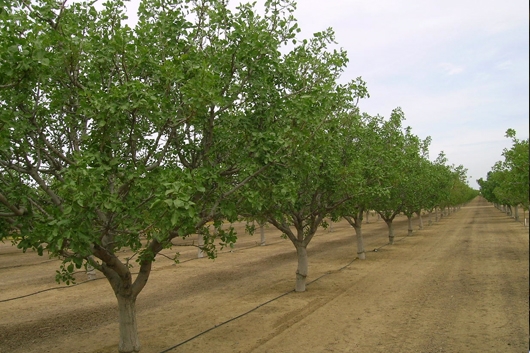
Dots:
pixel 459 69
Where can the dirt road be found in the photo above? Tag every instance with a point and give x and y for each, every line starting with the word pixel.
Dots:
pixel 457 286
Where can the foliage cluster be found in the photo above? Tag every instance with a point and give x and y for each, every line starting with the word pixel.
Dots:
pixel 507 183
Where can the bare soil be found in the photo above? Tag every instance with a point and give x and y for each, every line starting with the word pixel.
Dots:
pixel 460 285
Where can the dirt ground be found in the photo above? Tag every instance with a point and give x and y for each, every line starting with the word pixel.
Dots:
pixel 460 285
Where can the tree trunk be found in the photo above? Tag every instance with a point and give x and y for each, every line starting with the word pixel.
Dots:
pixel 516 214
pixel 420 219
pixel 200 241
pixel 390 232
pixel 436 214
pixel 367 216
pixel 90 272
pixel 262 233
pixel 301 272
pixel 129 342
pixel 360 243
pixel 409 219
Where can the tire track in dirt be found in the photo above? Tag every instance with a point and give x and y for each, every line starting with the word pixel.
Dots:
pixel 463 292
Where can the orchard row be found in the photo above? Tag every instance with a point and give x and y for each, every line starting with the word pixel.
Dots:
pixel 114 137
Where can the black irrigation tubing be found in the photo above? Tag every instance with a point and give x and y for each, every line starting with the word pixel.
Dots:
pixel 48 289
pixel 226 322
pixel 262 304
pixel 25 265
pixel 245 248
pixel 91 280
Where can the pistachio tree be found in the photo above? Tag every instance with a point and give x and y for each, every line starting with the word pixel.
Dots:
pixel 460 191
pixel 415 182
pixel 297 194
pixel 362 148
pixel 395 159
pixel 439 174
pixel 114 137
pixel 508 182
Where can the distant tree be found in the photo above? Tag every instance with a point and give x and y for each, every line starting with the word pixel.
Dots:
pixel 508 182
pixel 400 149
pixel 416 180
pixel 363 147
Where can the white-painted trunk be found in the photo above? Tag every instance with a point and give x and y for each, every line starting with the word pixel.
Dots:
pixel 200 242
pixel 301 272
pixel 367 220
pixel 360 243
pixel 129 342
pixel 90 272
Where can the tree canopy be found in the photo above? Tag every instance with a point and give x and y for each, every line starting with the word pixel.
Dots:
pixel 115 137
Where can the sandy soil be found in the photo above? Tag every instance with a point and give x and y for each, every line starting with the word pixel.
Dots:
pixel 457 286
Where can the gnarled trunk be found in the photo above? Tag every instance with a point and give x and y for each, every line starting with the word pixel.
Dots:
pixel 360 243
pixel 301 272
pixel 129 342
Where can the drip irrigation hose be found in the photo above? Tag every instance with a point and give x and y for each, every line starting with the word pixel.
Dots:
pixel 134 273
pixel 262 304
pixel 95 279
pixel 24 265
pixel 225 322
pixel 48 289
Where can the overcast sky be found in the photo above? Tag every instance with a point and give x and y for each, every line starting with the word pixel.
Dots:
pixel 459 69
